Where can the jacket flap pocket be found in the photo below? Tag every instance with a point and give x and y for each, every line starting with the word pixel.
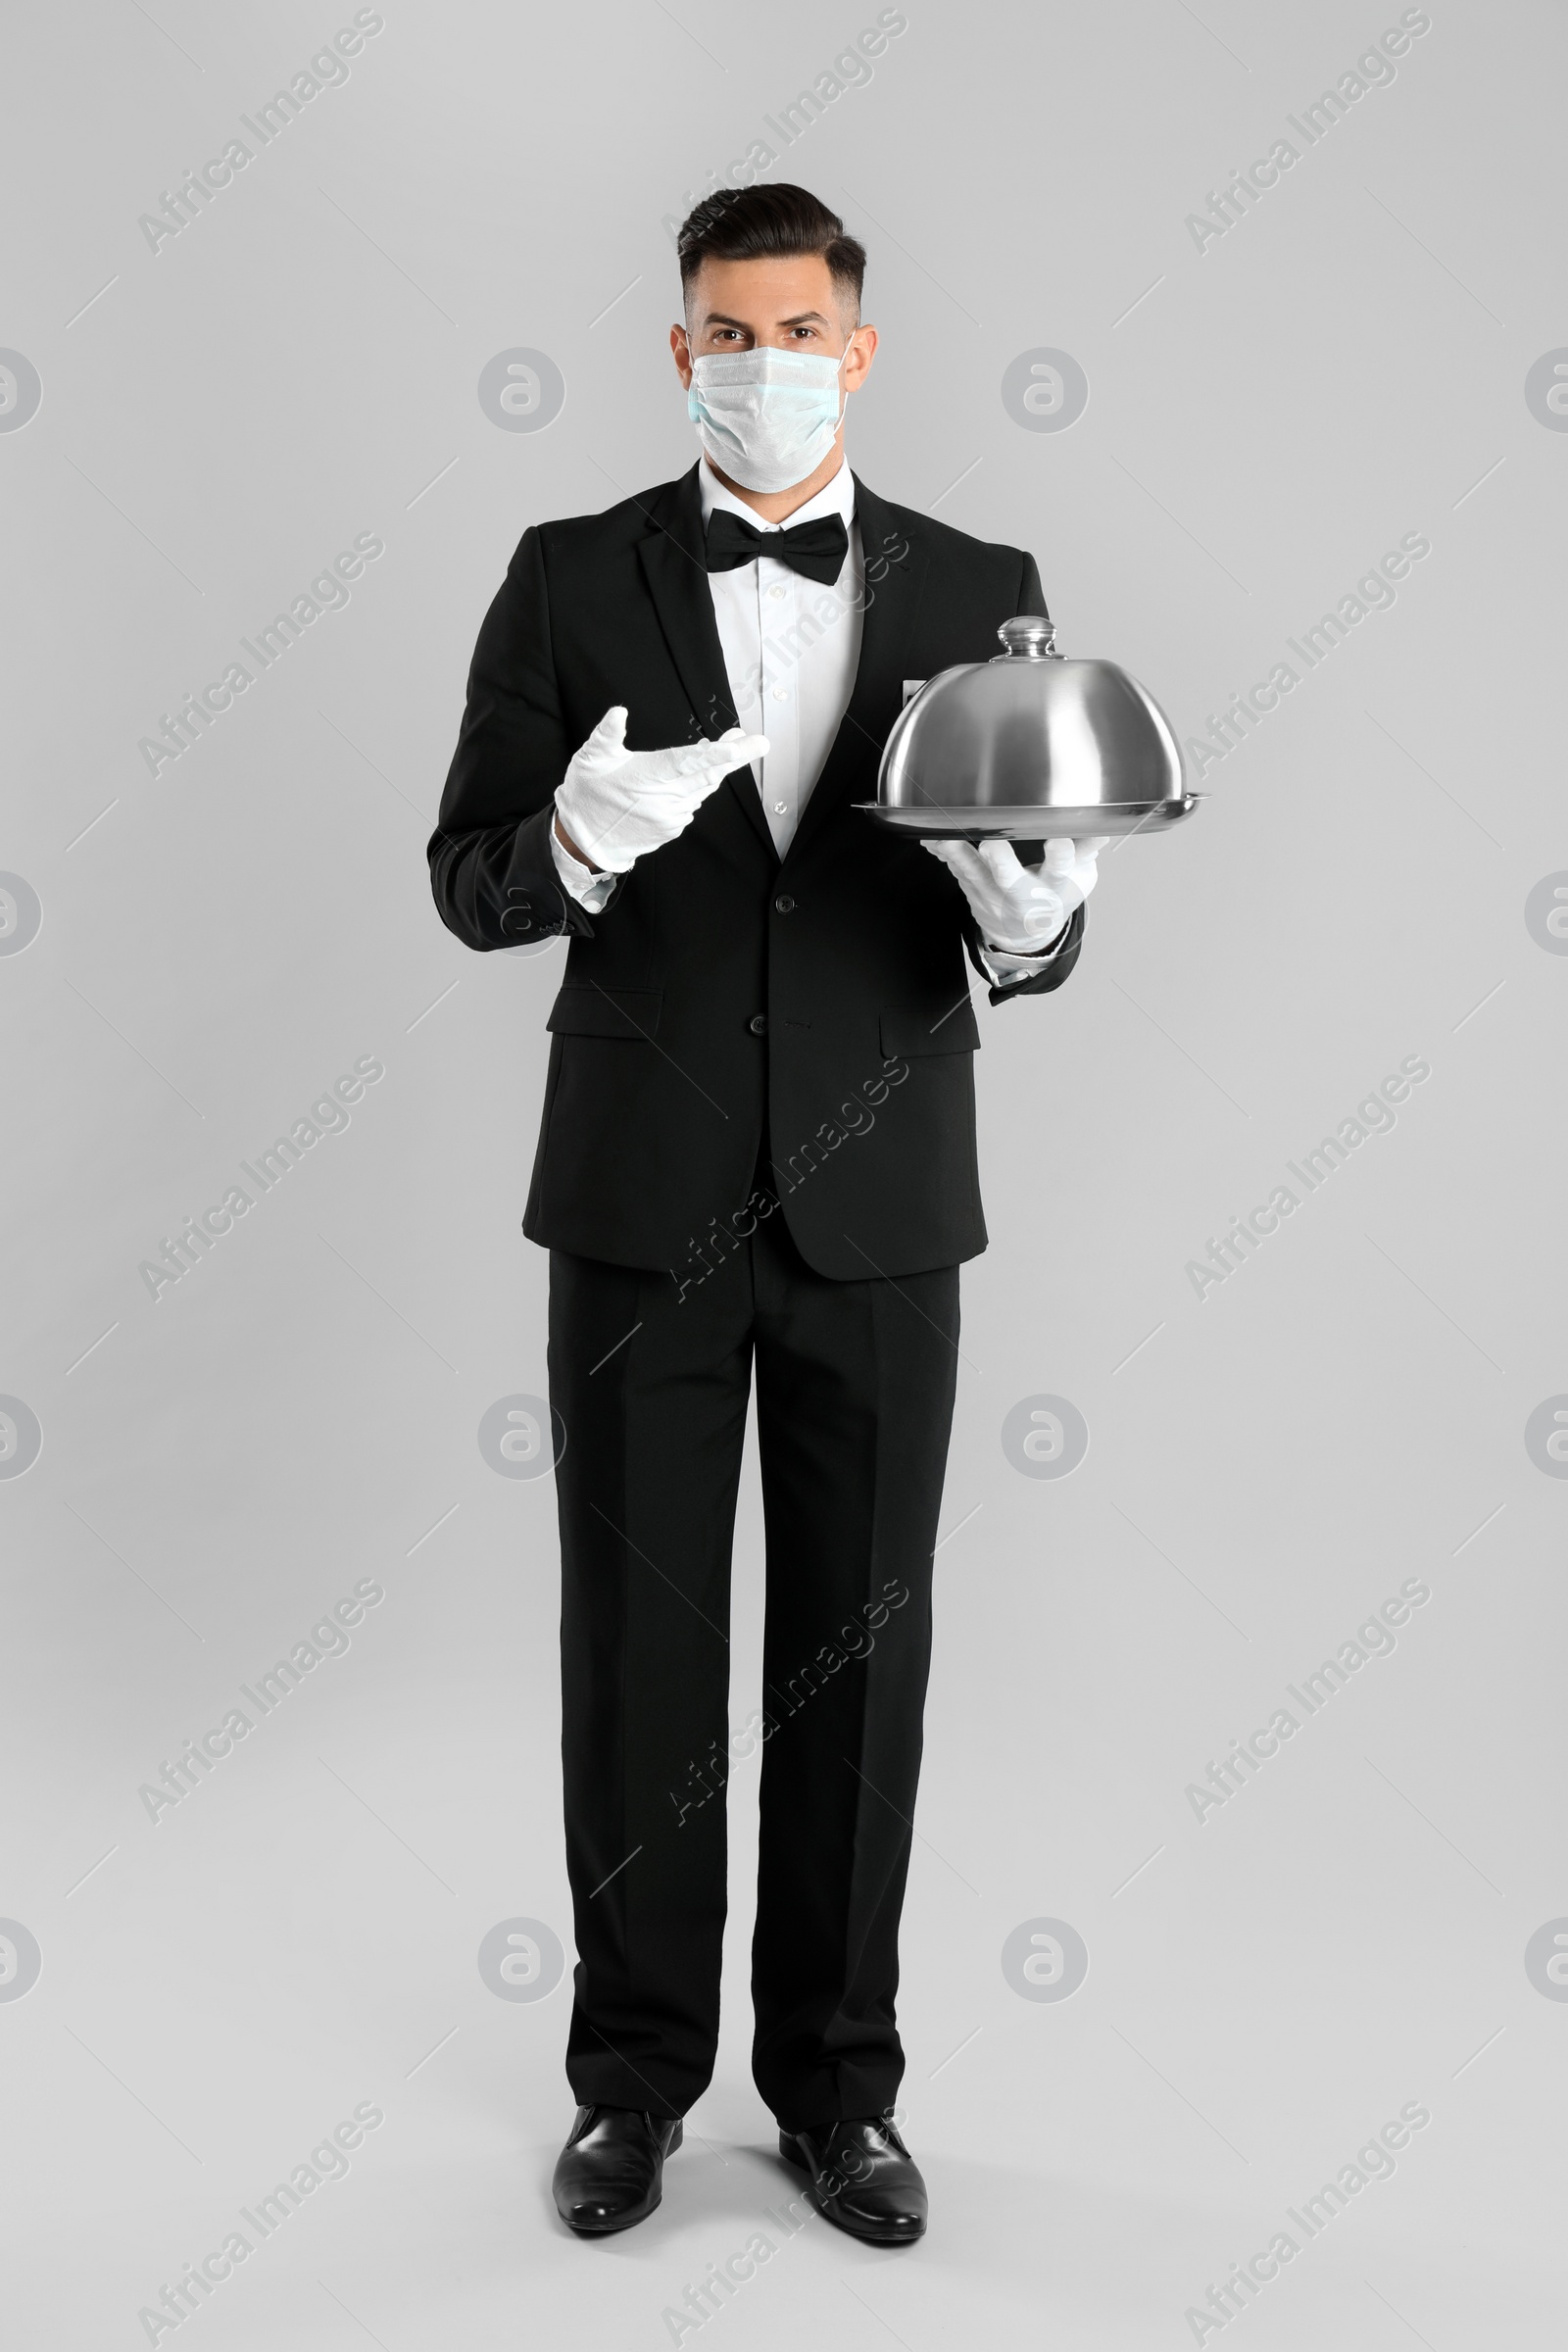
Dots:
pixel 584 1010
pixel 914 1029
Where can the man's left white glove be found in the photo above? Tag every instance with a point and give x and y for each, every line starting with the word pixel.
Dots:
pixel 1020 908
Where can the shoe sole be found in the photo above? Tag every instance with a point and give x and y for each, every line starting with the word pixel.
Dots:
pixel 789 2150
pixel 610 2228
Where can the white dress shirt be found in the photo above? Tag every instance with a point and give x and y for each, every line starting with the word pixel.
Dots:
pixel 791 648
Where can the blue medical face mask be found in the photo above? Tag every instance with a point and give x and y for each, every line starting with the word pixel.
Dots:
pixel 767 417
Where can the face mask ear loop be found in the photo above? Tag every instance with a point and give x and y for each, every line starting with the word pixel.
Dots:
pixel 844 395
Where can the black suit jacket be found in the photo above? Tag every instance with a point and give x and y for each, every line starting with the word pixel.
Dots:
pixel 827 993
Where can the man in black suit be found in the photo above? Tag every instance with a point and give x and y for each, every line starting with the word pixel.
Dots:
pixel 757 1146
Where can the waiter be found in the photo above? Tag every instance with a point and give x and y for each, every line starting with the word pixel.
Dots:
pixel 757 1149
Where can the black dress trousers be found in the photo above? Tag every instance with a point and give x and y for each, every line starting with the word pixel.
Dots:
pixel 854 1388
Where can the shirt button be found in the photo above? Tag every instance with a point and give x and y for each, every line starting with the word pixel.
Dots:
pixel 775 592
pixel 781 808
pixel 758 1024
pixel 781 694
pixel 785 904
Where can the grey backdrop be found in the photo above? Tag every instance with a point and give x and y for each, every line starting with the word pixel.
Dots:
pixel 192 426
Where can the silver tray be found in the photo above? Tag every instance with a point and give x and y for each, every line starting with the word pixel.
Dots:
pixel 1034 824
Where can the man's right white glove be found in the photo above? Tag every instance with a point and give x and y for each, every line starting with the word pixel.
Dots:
pixel 617 805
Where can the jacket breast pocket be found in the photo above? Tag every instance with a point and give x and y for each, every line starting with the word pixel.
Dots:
pixel 918 1029
pixel 585 1009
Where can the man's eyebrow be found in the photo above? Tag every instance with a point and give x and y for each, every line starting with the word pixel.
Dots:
pixel 800 319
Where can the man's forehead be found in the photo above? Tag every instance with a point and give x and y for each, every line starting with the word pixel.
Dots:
pixel 784 289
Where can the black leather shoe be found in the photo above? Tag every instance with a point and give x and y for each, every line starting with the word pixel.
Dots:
pixel 611 2173
pixel 863 2179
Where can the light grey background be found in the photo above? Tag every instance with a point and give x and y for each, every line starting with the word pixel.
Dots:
pixel 1265 417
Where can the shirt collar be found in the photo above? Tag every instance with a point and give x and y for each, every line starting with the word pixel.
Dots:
pixel 837 497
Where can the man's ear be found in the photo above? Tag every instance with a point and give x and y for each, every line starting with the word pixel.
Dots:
pixel 681 351
pixel 863 351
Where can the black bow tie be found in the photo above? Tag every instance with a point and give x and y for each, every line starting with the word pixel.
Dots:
pixel 817 549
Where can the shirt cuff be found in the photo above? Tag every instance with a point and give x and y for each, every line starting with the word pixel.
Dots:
pixel 1005 964
pixel 590 890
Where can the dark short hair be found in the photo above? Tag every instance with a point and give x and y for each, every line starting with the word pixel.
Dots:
pixel 747 224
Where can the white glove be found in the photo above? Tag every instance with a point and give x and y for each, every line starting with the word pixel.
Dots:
pixel 617 803
pixel 1018 907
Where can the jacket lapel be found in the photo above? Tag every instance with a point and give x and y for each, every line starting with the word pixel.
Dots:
pixel 896 565
pixel 673 567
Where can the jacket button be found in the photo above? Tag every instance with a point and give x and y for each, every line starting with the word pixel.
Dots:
pixel 784 903
pixel 758 1024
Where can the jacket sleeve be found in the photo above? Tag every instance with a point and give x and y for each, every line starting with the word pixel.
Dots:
pixel 1034 984
pixel 1031 599
pixel 492 873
